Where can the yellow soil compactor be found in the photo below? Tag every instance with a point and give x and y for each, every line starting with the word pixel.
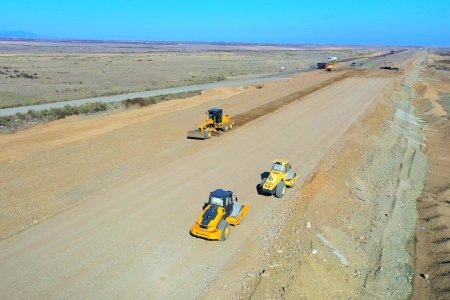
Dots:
pixel 280 177
pixel 215 121
pixel 221 211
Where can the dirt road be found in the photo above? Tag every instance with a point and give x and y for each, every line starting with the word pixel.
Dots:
pixel 133 240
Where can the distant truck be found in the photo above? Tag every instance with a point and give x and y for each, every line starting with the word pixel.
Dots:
pixel 321 65
pixel 389 65
pixel 332 59
pixel 329 64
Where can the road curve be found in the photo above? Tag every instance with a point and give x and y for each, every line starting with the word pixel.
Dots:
pixel 133 241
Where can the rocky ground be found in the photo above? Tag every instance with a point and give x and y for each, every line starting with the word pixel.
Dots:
pixel 433 230
pixel 349 233
pixel 346 231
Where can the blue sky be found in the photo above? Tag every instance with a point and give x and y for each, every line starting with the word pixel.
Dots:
pixel 383 22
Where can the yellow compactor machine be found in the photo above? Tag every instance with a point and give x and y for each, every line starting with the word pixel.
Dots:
pixel 221 211
pixel 280 177
pixel 215 121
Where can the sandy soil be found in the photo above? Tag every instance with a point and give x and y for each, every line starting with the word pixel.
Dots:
pixel 50 170
pixel 290 262
pixel 117 249
pixel 123 190
pixel 349 233
pixel 433 233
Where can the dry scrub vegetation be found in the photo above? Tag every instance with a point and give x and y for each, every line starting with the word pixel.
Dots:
pixel 32 118
pixel 36 73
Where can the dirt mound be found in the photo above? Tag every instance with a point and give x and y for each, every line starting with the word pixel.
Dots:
pixel 262 110
pixel 433 231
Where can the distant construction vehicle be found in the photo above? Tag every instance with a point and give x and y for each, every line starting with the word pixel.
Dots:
pixel 331 63
pixel 280 177
pixel 389 65
pixel 330 67
pixel 321 65
pixel 221 211
pixel 215 121
pixel 332 59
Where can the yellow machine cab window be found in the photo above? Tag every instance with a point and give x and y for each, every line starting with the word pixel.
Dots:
pixel 277 166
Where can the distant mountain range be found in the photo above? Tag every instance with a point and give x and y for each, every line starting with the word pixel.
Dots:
pixel 18 34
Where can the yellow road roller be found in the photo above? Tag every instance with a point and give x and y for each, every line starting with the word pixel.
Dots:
pixel 280 177
pixel 221 211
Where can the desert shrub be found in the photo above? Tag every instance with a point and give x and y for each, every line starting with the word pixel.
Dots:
pixel 70 110
pixel 136 101
pixel 56 114
pixel 20 116
pixel 34 117
pixel 88 108
pixel 220 77
pixel 5 120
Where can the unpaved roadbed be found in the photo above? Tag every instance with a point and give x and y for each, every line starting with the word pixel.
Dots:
pixel 349 234
pixel 144 184
pixel 132 228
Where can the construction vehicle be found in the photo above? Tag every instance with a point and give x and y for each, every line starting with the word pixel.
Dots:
pixel 280 177
pixel 389 65
pixel 331 64
pixel 332 59
pixel 330 67
pixel 321 65
pixel 221 211
pixel 215 121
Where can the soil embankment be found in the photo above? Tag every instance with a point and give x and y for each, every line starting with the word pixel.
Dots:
pixel 433 230
pixel 350 233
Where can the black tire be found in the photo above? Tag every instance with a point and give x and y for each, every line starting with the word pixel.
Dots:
pixel 225 227
pixel 280 189
pixel 260 186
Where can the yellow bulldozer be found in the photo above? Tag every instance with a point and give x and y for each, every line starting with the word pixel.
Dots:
pixel 215 121
pixel 221 211
pixel 331 65
pixel 280 177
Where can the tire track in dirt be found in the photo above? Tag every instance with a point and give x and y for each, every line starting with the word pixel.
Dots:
pixel 243 118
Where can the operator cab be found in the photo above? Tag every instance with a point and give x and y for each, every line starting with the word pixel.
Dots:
pixel 223 199
pixel 281 166
pixel 215 114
